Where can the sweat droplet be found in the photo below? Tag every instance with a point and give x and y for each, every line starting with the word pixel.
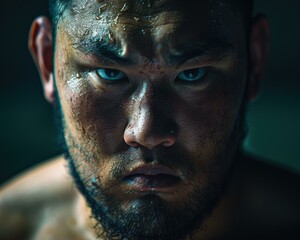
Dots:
pixel 117 18
pixel 94 182
pixel 136 19
pixel 97 18
pixel 111 37
pixel 102 8
pixel 78 75
pixel 125 8
pixel 86 32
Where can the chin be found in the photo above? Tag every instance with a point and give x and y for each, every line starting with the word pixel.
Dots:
pixel 149 215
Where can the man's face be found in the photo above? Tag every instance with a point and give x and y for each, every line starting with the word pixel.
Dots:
pixel 151 96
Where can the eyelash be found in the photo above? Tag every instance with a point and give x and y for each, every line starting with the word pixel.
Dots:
pixel 95 75
pixel 209 74
pixel 113 79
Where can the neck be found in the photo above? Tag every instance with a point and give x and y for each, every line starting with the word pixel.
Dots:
pixel 83 215
pixel 222 221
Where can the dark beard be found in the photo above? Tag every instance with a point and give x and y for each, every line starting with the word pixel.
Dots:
pixel 151 218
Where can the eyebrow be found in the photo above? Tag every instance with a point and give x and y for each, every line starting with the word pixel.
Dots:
pixel 102 49
pixel 214 49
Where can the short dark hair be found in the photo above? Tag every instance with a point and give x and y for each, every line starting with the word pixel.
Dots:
pixel 57 7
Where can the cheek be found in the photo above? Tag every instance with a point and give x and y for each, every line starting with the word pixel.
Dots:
pixel 208 120
pixel 94 118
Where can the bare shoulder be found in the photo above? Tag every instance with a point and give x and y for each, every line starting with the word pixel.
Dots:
pixel 268 179
pixel 37 178
pixel 271 197
pixel 24 200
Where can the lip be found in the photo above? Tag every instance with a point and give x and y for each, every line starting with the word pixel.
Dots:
pixel 152 177
pixel 152 170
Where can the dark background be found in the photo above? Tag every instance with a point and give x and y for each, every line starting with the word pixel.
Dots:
pixel 27 132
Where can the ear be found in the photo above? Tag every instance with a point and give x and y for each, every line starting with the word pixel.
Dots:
pixel 40 46
pixel 258 51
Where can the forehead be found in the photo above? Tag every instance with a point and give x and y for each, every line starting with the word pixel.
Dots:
pixel 157 24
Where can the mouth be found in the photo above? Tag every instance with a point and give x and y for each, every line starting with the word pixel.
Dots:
pixel 152 177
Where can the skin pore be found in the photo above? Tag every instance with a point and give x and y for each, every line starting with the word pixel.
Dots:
pixel 150 85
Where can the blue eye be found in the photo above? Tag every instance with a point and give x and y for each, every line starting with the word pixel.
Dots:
pixel 191 75
pixel 110 74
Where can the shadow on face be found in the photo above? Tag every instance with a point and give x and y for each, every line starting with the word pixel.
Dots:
pixel 151 97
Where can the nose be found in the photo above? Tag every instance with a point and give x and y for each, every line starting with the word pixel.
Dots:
pixel 148 124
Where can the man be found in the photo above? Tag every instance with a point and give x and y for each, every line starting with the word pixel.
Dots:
pixel 150 99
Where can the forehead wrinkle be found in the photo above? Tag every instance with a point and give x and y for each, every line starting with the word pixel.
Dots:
pixel 88 11
pixel 111 52
pixel 163 55
pixel 89 43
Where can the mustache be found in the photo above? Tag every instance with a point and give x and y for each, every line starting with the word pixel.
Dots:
pixel 175 158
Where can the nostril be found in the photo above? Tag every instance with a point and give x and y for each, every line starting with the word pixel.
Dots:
pixel 132 144
pixel 148 141
pixel 169 140
pixel 149 136
pixel 168 143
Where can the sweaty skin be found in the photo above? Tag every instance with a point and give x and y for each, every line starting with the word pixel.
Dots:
pixel 155 118
pixel 151 116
